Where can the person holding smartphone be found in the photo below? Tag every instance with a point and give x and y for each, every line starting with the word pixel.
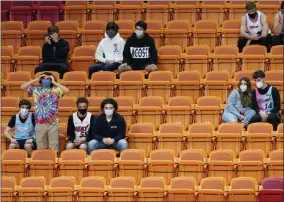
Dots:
pixel 54 53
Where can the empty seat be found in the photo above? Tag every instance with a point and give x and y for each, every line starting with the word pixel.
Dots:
pixel 43 163
pixel 103 10
pixel 225 58
pixel 83 58
pixel 67 106
pixel 32 189
pixel 8 188
pixel 7 62
pixel 102 163
pixel 230 32
pixel 196 58
pixel 36 31
pixel 126 109
pixel 62 137
pixel 208 110
pixel 251 164
pixel 131 83
pixel 9 108
pixel 161 164
pixel 242 189
pixel 14 164
pixel 11 34
pixel 150 110
pixel 102 84
pixel 177 32
pixel 217 83
pixel 221 164
pixel 155 30
pixel 236 9
pixel 130 10
pixel 22 11
pixel 212 189
pixel 169 59
pixel 275 57
pixel 72 163
pixel 186 10
pixel 272 190
pixel 275 163
pixel 93 32
pixel 279 136
pixel 76 10
pixel 259 137
pixel 76 81
pixel 192 164
pixel 91 188
pixel 157 10
pixel 213 10
pixel 253 57
pixel 151 187
pixel 126 28
pixel 95 104
pixel 229 136
pixel 61 189
pixel 179 110
pixel 131 164
pixel 121 189
pixel 182 189
pixel 275 78
pixel 269 8
pixel 5 6
pixel 160 84
pixel 49 10
pixel 141 136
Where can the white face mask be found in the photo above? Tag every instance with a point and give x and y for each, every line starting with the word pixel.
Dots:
pixel 259 84
pixel 24 111
pixel 243 88
pixel 108 112
pixel 139 33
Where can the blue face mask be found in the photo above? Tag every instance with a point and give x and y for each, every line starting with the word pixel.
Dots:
pixel 45 83
pixel 139 33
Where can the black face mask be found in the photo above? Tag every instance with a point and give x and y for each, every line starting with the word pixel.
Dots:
pixel 83 111
pixel 252 15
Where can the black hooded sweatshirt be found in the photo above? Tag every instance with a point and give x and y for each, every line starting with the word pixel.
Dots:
pixel 138 53
pixel 55 52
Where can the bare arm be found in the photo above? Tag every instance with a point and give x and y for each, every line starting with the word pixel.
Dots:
pixel 243 30
pixel 7 133
pixel 63 88
pixel 26 85
pixel 264 23
pixel 277 24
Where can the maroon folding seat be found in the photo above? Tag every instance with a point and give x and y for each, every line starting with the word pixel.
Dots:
pixel 22 11
pixel 5 8
pixel 272 190
pixel 50 11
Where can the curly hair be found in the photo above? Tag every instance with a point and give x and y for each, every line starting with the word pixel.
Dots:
pixel 246 97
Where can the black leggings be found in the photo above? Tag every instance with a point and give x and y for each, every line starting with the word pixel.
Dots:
pixel 278 40
pixel 61 68
pixel 265 41
pixel 272 118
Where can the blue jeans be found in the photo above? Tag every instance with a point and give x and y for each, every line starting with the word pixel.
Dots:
pixel 102 67
pixel 229 117
pixel 95 144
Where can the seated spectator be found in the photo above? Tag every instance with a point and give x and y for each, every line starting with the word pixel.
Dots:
pixel 278 28
pixel 46 109
pixel 254 28
pixel 239 104
pixel 109 51
pixel 24 128
pixel 139 52
pixel 109 129
pixel 265 101
pixel 54 53
pixel 80 126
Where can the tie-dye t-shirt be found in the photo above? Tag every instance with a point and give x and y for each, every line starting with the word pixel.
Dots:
pixel 46 103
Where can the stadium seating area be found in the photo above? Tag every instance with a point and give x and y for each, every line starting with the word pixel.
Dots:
pixel 179 149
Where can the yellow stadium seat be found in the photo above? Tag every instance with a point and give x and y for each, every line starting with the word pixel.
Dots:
pixel 253 57
pixel 62 137
pixel 8 189
pixel 208 109
pixel 157 10
pixel 11 34
pixel 83 58
pixel 182 189
pixel 7 62
pixel 275 78
pixel 36 31
pixel 177 32
pixel 196 58
pixel 14 164
pixel 251 164
pixel 169 59
pixel 61 189
pixel 212 189
pixel 130 10
pixel 102 84
pixel 4 141
pixel 150 110
pixel 241 74
pixel 213 10
pixel 151 187
pixel 200 137
pixel 93 32
pixel 102 163
pixel 279 136
pixel 103 10
pixel 155 30
pixel 141 136
pixel 131 164
pixel 126 109
pixel 225 58
pixel 186 10
pixel 275 163
pixel 126 28
pixel 121 189
pixel 131 83
pixel 269 8
pixel 192 164
pixel 67 106
pixel 43 163
pixel 76 10
pixel 230 32
pixel 10 107
pixel 95 104
pixel 76 81
pixel 91 189
pixel 32 189
pixel 275 58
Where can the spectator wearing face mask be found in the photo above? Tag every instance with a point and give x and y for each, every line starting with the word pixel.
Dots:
pixel 46 109
pixel 239 104
pixel 109 129
pixel 109 51
pixel 24 128
pixel 265 101
pixel 254 28
pixel 278 27
pixel 79 129
pixel 139 52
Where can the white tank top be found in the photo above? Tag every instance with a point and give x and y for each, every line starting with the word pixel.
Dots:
pixel 265 102
pixel 254 27
pixel 81 127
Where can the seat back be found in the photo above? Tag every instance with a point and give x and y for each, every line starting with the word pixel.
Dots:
pixel 126 109
pixel 91 188
pixel 157 10
pixel 121 189
pixel 6 60
pixel 32 189
pixel 36 31
pixel 230 31
pixel 275 78
pixel 68 31
pixel 253 57
pixel 186 10
pixel 76 10
pixel 279 137
pixel 9 108
pixel 275 163
pixel 83 58
pixel 76 81
pixel 102 84
pixel 7 188
pixel 155 29
pixel 275 57
pixel 126 28
pixel 243 188
pixel 152 187
pixel 14 81
pixel 182 189
pixel 67 106
pixel 212 187
pixel 93 32
pixel 61 188
pixel 103 10
pixel 11 34
pixel 213 10
pixel 130 10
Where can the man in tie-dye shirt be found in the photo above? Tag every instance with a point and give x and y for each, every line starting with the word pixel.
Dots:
pixel 46 109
